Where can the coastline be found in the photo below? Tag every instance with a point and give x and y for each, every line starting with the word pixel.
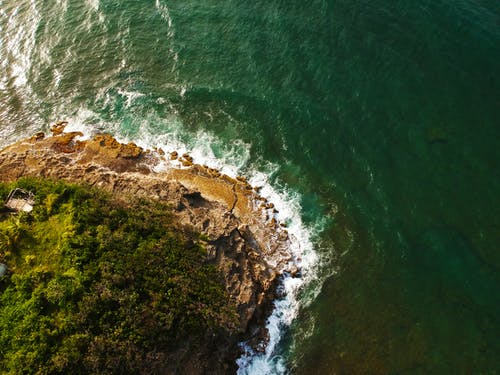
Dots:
pixel 244 239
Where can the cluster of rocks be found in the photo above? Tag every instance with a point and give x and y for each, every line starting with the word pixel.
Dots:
pixel 243 238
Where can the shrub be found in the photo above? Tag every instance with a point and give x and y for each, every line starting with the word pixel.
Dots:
pixel 97 285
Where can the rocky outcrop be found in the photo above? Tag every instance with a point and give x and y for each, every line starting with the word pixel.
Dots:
pixel 242 237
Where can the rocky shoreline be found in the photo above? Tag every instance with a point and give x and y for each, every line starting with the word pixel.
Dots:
pixel 242 236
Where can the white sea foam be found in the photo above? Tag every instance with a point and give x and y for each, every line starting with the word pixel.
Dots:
pixel 82 122
pixel 234 158
pixel 231 159
pixel 285 309
pixel 130 96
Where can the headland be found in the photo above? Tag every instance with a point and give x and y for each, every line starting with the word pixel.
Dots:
pixel 242 237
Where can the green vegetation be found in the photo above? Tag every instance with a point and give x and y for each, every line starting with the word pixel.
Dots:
pixel 97 285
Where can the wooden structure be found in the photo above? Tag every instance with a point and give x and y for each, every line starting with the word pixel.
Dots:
pixel 20 200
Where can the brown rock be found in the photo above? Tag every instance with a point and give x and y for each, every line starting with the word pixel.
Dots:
pixel 213 172
pixel 107 141
pixel 130 150
pixel 66 142
pixel 228 179
pixel 239 243
pixel 38 136
pixel 187 157
pixel 58 128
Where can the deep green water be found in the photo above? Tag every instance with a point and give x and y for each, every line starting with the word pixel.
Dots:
pixel 381 118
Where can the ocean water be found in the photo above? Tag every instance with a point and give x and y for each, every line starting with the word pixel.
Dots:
pixel 374 125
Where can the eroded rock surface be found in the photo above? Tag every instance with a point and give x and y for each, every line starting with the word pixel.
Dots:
pixel 242 238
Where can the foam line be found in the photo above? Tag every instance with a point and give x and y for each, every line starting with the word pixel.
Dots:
pixel 236 157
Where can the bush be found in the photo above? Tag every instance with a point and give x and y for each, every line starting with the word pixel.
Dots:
pixel 97 285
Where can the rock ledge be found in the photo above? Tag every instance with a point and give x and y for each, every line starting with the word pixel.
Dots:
pixel 243 238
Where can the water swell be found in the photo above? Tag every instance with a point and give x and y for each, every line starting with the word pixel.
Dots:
pixel 119 98
pixel 232 157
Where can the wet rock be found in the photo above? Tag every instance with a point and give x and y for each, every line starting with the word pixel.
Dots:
pixel 186 163
pixel 38 136
pixel 214 172
pixel 130 150
pixel 238 242
pixel 66 142
pixel 228 179
pixel 58 128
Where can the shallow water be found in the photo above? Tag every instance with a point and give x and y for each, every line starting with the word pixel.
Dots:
pixel 376 124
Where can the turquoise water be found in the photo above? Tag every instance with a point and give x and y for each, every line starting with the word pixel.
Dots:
pixel 380 118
